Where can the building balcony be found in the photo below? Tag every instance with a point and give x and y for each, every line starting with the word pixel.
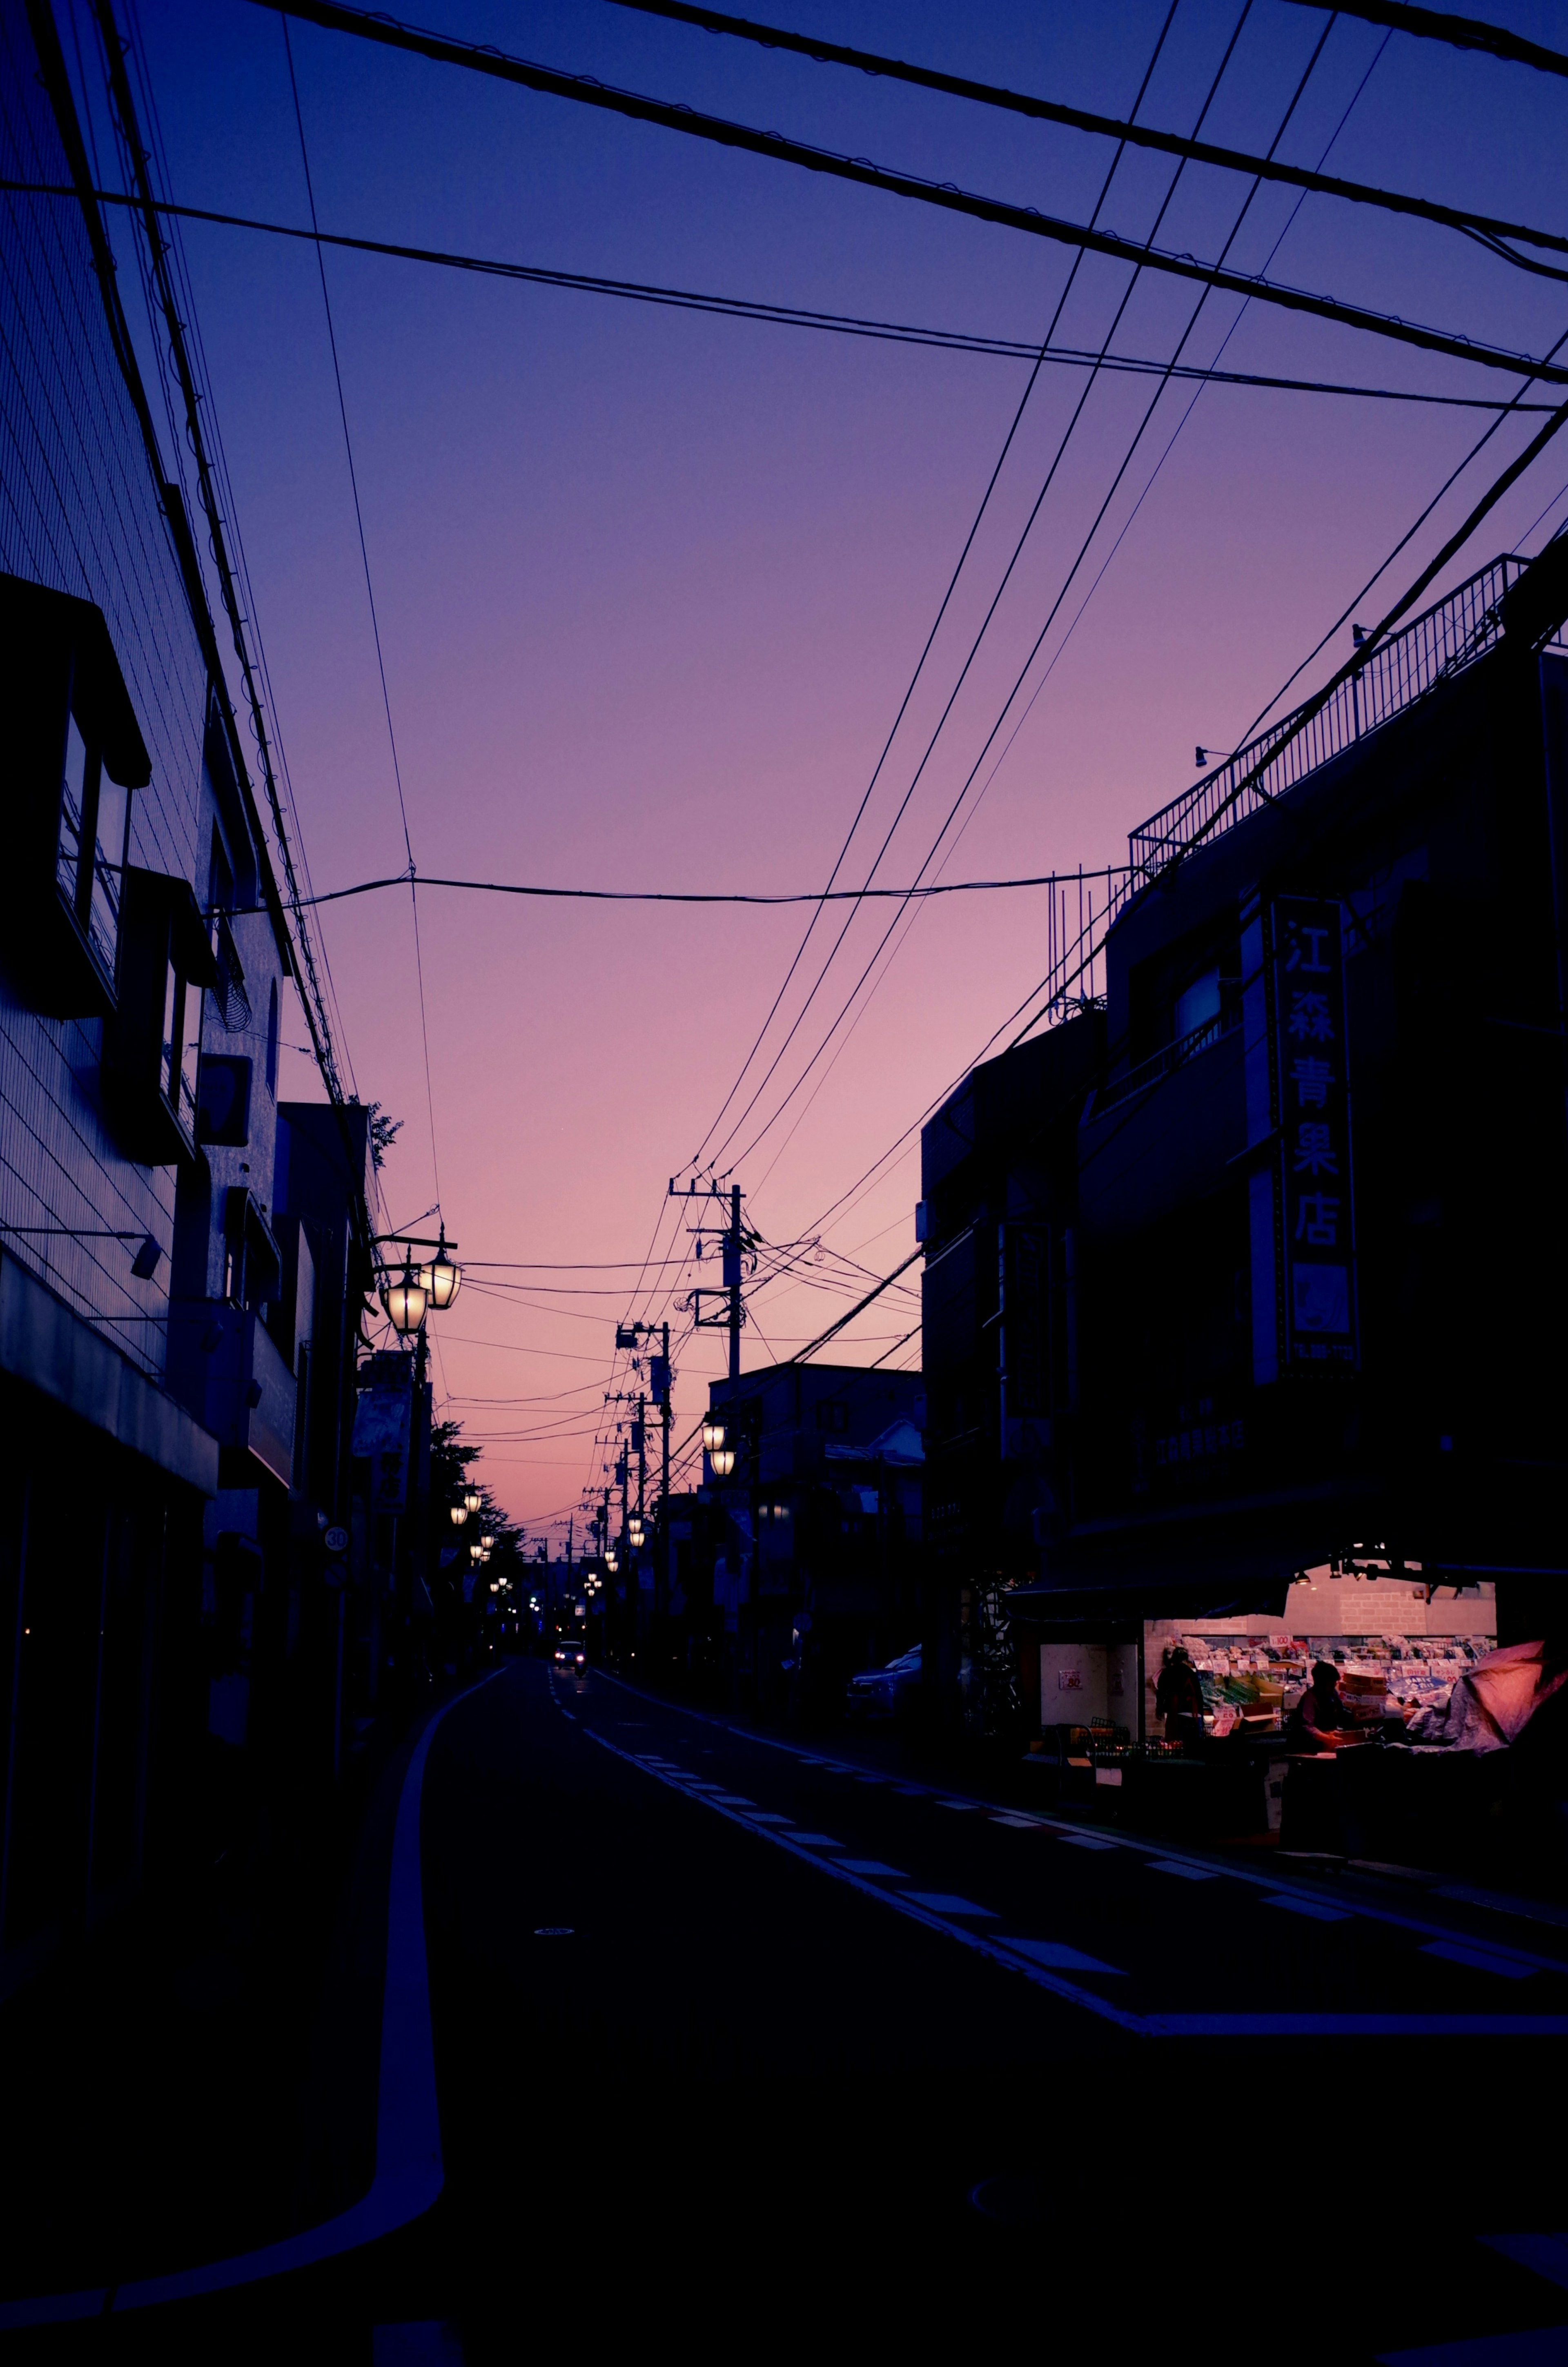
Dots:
pixel 227 1370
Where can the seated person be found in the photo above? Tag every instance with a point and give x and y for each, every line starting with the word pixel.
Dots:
pixel 1320 1720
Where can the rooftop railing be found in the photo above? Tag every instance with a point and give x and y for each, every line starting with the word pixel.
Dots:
pixel 1432 649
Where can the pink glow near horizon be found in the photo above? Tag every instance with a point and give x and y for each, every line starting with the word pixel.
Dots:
pixel 650 584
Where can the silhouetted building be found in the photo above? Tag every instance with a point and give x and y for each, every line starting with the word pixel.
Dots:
pixel 1311 1266
pixel 998 1167
pixel 815 1535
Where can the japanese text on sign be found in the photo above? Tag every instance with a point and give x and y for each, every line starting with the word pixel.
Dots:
pixel 1314 1132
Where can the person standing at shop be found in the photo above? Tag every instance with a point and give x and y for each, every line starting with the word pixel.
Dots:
pixel 1320 1720
pixel 1179 1697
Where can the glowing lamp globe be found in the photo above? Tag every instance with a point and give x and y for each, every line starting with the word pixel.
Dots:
pixel 443 1277
pixel 405 1301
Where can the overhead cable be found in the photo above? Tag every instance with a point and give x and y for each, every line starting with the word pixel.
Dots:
pixel 860 1305
pixel 985 623
pixel 673 116
pixel 1056 605
pixel 787 316
pixel 1459 33
pixel 693 895
pixel 369 596
pixel 930 642
pixel 1110 127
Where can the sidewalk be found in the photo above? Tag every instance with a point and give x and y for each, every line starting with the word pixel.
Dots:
pixel 199 2076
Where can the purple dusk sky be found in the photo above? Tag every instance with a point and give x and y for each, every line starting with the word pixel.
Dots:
pixel 651 585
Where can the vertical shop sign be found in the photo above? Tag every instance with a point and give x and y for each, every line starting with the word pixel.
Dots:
pixel 1314 1118
pixel 381 1424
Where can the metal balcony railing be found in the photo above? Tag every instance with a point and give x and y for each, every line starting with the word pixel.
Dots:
pixel 1168 1059
pixel 1431 649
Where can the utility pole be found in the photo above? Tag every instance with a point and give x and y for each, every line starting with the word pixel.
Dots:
pixel 733 1246
pixel 639 1439
pixel 732 1279
pixel 663 1393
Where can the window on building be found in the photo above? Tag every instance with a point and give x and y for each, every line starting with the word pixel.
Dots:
pixel 153 1044
pixel 1198 1005
pixel 74 752
pixel 272 1041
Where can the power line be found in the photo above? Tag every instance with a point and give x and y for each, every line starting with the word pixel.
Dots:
pixel 693 124
pixel 162 299
pixel 985 624
pixel 369 595
pixel 930 638
pixel 1459 33
pixel 221 461
pixel 790 316
pixel 1061 596
pixel 692 895
pixel 1110 127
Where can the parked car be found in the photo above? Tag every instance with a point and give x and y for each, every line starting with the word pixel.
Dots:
pixel 880 1693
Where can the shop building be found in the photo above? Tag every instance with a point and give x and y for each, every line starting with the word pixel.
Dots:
pixel 1311 1262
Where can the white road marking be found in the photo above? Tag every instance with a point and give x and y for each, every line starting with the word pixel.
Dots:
pixel 766 1816
pixel 1308 1907
pixel 1370 1909
pixel 1020 1824
pixel 1183 1873
pixel 872 1865
pixel 1061 1958
pixel 839 1870
pixel 1480 1960
pixel 1544 2346
pixel 733 1800
pixel 958 1804
pixel 409 2173
pixel 943 1902
pixel 810 1840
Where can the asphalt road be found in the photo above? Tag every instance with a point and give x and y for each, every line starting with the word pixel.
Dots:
pixel 734 2034
pixel 736 2046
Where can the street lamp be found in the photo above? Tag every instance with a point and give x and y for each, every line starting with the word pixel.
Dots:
pixel 486 1541
pixel 405 1301
pixel 612 1560
pixel 722 1459
pixel 712 1433
pixel 459 1515
pixel 634 1528
pixel 443 1276
pixel 472 1498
